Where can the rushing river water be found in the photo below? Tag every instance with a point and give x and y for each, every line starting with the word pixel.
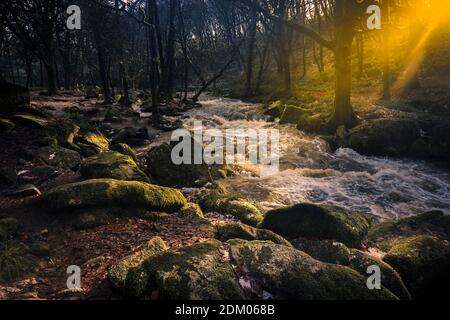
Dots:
pixel 309 172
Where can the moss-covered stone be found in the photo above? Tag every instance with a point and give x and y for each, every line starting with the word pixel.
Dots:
pixel 275 109
pixel 192 209
pixel 338 253
pixel 112 165
pixel 96 139
pixel 124 149
pixel 423 263
pixel 161 167
pixel 88 150
pixel 433 223
pixel 315 123
pixel 87 218
pixel 220 200
pixel 242 231
pixel 384 136
pixel 196 272
pixel 6 125
pixel 287 273
pixel 59 157
pixel 317 222
pixel 291 114
pixel 29 120
pixel 119 271
pixel 110 192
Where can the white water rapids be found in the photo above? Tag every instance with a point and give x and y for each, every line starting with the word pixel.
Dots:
pixel 309 172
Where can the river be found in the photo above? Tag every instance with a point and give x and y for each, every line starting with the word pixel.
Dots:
pixel 385 188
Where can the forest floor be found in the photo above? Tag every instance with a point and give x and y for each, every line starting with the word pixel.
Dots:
pixel 59 245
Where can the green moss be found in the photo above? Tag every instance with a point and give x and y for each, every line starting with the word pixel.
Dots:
pixel 96 139
pixel 220 200
pixel 124 149
pixel 110 192
pixel 112 165
pixel 337 253
pixel 88 150
pixel 161 167
pixel 238 230
pixel 275 109
pixel 433 223
pixel 30 120
pixel 317 222
pixel 287 273
pixel 192 209
pixel 15 261
pixel 119 271
pixel 423 262
pixel 190 273
pixel 59 157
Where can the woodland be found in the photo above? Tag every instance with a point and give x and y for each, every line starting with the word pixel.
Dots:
pixel 93 206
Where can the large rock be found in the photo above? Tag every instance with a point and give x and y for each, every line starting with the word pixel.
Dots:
pixel 119 271
pixel 240 269
pixel 13 97
pixel 384 137
pixel 317 222
pixel 229 231
pixel 424 263
pixel 434 223
pixel 286 273
pixel 124 149
pixel 196 272
pixel 220 200
pixel 292 114
pixel 161 167
pixel 110 192
pixel 338 253
pixel 112 165
pixel 132 136
pixel 59 157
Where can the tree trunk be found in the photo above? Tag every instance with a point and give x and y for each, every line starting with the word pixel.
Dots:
pixel 343 110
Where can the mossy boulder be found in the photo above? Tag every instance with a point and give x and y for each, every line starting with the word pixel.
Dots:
pixel 13 97
pixel 112 165
pixel 291 114
pixel 317 222
pixel 95 139
pixel 384 136
pixel 124 149
pixel 219 199
pixel 434 223
pixel 6 125
pixel 59 157
pixel 275 109
pixel 88 150
pixel 161 167
pixel 338 253
pixel 287 273
pixel 196 272
pixel 423 263
pixel 110 192
pixel 30 120
pixel 119 271
pixel 229 231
